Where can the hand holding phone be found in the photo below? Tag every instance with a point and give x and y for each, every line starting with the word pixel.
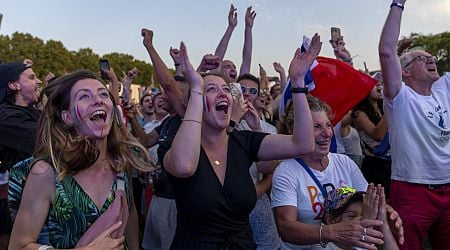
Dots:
pixel 335 34
pixel 103 65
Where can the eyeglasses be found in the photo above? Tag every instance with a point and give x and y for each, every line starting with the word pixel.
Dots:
pixel 424 59
pixel 252 91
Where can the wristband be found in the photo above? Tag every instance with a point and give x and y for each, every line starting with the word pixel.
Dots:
pixel 399 5
pixel 299 90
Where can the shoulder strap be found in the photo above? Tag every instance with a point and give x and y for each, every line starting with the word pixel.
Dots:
pixel 313 176
pixel 120 179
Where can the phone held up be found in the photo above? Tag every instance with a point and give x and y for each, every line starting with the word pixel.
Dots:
pixel 335 33
pixel 104 65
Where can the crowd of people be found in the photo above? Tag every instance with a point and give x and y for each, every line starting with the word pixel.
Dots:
pixel 209 162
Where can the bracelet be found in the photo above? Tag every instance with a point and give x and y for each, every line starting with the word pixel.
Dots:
pixel 191 120
pixel 322 243
pixel 399 5
pixel 197 92
pixel 44 247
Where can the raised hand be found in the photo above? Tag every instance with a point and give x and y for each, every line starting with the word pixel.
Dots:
pixel 192 76
pixel 49 76
pixel 175 54
pixel 339 49
pixel 263 76
pixel 252 117
pixel 28 62
pixel 278 67
pixel 132 73
pixel 111 74
pixel 104 240
pixel 209 62
pixel 148 37
pixel 232 16
pixel 249 17
pixel 371 202
pixel 301 62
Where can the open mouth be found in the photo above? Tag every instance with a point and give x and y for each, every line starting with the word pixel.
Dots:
pixel 432 69
pixel 222 106
pixel 322 143
pixel 98 116
pixel 233 75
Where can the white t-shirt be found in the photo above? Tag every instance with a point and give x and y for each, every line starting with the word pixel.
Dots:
pixel 153 151
pixel 293 186
pixel 419 134
pixel 352 142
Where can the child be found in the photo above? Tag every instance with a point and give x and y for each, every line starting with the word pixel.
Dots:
pixel 344 204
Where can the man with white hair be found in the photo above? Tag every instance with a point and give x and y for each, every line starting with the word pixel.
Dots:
pixel 418 113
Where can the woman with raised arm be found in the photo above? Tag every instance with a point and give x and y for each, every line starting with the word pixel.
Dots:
pixel 208 167
pixel 371 124
pixel 300 185
pixel 78 185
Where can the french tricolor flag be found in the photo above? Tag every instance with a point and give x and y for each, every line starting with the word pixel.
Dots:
pixel 334 82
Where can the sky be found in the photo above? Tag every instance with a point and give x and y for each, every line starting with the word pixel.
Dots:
pixel 114 25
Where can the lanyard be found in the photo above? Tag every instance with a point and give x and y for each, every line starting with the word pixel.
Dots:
pixel 313 176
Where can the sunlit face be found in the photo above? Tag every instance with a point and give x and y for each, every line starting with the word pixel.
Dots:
pixel 91 109
pixel 28 87
pixel 229 69
pixel 161 104
pixel 249 90
pixel 425 70
pixel 323 131
pixel 218 102
pixel 147 105
pixel 375 92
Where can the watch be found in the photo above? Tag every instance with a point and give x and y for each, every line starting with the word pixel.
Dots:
pixel 304 90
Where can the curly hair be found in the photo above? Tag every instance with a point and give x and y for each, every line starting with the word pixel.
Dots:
pixel 70 152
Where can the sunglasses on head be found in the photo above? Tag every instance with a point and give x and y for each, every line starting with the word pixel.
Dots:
pixel 252 91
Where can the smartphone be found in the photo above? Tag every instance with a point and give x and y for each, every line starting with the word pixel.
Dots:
pixel 335 33
pixel 104 65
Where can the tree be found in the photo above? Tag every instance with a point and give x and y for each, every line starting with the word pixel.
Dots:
pixel 438 45
pixel 53 56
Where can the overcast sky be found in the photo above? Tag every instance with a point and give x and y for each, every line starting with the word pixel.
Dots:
pixel 114 25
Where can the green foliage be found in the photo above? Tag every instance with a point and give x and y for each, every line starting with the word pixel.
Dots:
pixel 438 45
pixel 53 56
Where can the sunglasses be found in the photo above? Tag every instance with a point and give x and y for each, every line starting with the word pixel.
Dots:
pixel 252 91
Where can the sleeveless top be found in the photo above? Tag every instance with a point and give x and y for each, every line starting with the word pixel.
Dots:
pixel 72 211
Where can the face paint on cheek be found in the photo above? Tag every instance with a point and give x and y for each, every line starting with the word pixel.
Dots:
pixel 206 104
pixel 77 113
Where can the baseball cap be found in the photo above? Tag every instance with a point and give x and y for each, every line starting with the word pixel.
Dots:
pixel 8 73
